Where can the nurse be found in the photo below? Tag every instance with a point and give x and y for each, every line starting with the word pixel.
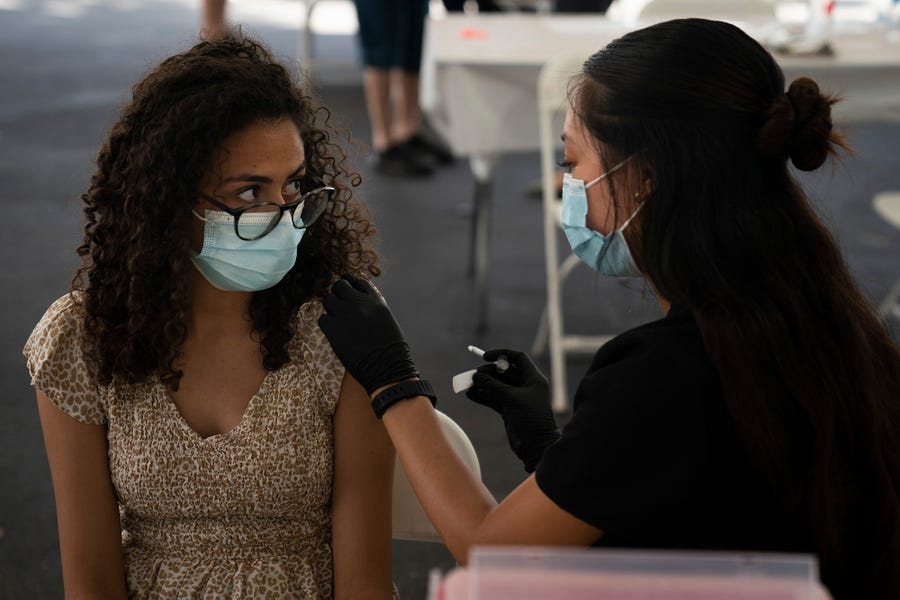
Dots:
pixel 762 413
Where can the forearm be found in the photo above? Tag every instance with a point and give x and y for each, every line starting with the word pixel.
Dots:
pixel 364 335
pixel 456 501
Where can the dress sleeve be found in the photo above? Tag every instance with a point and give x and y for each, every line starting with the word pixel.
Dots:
pixel 55 361
pixel 321 355
pixel 631 457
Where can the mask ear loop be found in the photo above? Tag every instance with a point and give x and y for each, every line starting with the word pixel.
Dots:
pixel 610 172
pixel 198 216
pixel 633 215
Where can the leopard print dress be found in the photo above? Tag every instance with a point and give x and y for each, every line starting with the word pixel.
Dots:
pixel 244 514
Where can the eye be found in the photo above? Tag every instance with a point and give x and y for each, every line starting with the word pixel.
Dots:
pixel 248 195
pixel 564 164
pixel 293 189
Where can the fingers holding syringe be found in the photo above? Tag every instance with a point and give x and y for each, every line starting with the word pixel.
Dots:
pixel 498 357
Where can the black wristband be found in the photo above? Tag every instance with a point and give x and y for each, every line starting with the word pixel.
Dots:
pixel 399 391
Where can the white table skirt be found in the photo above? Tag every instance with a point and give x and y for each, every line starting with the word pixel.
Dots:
pixel 480 74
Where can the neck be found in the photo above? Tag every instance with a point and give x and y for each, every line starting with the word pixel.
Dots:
pixel 664 304
pixel 212 308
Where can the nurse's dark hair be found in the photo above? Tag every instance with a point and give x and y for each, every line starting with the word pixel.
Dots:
pixel 136 248
pixel 810 374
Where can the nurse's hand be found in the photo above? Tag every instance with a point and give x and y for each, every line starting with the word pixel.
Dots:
pixel 364 334
pixel 521 395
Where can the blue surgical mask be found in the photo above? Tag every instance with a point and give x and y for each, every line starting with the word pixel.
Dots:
pixel 235 265
pixel 606 254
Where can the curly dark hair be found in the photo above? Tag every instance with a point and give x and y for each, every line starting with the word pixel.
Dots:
pixel 138 209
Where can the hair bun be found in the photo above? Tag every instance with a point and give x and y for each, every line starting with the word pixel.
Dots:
pixel 798 126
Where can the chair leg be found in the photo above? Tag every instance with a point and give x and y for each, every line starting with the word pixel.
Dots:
pixel 567 266
pixel 305 42
pixel 539 345
pixel 559 398
pixel 890 306
pixel 481 234
pixel 554 320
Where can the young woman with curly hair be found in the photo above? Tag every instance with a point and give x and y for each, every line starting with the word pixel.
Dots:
pixel 203 438
pixel 762 413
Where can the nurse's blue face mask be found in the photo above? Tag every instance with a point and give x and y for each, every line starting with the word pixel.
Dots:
pixel 607 254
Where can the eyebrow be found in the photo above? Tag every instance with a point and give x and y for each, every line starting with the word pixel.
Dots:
pixel 246 177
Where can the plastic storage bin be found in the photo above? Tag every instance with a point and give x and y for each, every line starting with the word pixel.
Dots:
pixel 531 573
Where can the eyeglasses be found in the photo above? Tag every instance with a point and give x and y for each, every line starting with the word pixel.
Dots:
pixel 257 220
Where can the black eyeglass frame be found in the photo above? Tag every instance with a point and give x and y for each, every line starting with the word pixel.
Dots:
pixel 291 206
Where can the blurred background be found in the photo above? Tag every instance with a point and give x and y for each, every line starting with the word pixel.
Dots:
pixel 66 66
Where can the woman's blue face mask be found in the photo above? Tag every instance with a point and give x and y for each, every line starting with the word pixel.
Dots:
pixel 232 264
pixel 607 254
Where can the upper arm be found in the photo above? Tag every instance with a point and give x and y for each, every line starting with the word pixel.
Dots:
pixel 361 498
pixel 90 539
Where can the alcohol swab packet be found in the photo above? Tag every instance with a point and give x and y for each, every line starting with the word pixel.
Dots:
pixel 463 381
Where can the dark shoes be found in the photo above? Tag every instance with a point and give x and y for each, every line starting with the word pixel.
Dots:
pixel 430 147
pixel 416 157
pixel 400 160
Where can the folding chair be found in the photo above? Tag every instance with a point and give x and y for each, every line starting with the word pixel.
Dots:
pixel 887 205
pixel 552 85
pixel 408 518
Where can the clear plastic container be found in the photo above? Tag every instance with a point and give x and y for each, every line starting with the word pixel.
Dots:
pixel 526 573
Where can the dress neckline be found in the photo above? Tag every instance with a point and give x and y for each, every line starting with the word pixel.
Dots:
pixel 242 424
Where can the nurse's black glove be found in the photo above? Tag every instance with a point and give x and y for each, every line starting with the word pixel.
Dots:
pixel 364 335
pixel 521 395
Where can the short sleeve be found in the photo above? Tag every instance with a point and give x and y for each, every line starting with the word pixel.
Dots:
pixel 329 368
pixel 55 361
pixel 637 446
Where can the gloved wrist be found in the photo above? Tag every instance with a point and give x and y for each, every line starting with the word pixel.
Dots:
pixel 387 365
pixel 533 456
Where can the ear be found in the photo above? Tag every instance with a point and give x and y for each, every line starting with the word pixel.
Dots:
pixel 646 187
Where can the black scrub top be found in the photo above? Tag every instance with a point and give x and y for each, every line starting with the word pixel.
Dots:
pixel 651 456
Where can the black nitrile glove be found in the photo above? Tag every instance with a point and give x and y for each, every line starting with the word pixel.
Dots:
pixel 521 395
pixel 364 335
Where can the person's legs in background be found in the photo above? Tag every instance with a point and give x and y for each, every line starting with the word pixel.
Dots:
pixel 377 90
pixel 408 128
pixel 405 86
pixel 212 19
pixel 390 34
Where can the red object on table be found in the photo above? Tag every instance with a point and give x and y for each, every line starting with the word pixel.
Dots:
pixel 473 33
